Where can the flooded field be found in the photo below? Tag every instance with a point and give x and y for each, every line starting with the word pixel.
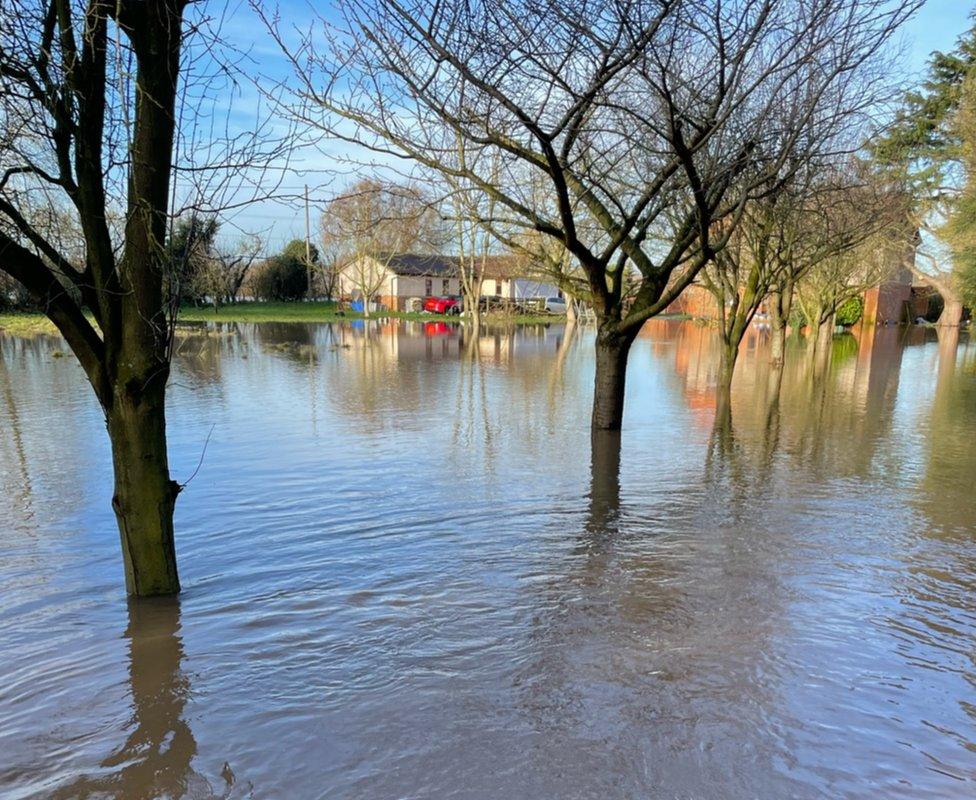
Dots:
pixel 407 576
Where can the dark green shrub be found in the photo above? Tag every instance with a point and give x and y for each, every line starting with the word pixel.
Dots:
pixel 850 312
pixel 280 278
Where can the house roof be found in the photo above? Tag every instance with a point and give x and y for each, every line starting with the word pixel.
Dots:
pixel 503 267
pixel 426 265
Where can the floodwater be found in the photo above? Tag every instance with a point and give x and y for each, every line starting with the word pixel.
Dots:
pixel 406 577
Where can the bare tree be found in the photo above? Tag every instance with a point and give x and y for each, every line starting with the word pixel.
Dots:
pixel 551 262
pixel 57 67
pixel 325 276
pixel 808 223
pixel 235 263
pixel 222 269
pixel 842 276
pixel 93 96
pixel 642 114
pixel 370 224
pixel 472 213
pixel 862 234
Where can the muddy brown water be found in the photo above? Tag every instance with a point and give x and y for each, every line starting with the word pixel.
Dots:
pixel 406 577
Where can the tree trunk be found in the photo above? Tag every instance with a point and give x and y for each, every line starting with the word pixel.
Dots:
pixel 604 481
pixel 951 316
pixel 825 334
pixel 730 353
pixel 474 312
pixel 774 379
pixel 722 427
pixel 145 495
pixel 612 349
pixel 780 307
pixel 822 345
pixel 570 309
pixel 777 345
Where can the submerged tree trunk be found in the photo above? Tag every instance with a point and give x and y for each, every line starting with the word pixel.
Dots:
pixel 822 344
pixel 124 349
pixel 722 428
pixel 604 482
pixel 145 496
pixel 825 334
pixel 780 306
pixel 777 335
pixel 612 349
pixel 730 354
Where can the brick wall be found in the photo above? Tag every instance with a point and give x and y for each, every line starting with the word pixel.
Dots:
pixel 886 303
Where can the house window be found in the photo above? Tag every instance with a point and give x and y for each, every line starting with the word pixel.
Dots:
pixel 498 288
pixel 446 286
pixel 428 286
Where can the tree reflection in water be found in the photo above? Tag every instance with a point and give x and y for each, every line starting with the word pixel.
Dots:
pixel 156 759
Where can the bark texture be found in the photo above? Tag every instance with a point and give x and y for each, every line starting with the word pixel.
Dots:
pixel 145 495
pixel 951 316
pixel 612 350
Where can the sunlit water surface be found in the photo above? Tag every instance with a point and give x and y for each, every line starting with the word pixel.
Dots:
pixel 405 577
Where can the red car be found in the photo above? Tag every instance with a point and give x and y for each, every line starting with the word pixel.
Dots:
pixel 443 305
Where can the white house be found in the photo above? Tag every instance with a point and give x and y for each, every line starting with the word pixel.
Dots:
pixel 507 278
pixel 394 281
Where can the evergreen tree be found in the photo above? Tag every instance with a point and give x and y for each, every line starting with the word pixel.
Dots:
pixel 188 250
pixel 931 149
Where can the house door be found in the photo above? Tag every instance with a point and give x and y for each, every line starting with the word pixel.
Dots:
pixel 429 287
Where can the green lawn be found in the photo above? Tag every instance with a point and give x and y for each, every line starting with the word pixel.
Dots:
pixel 262 312
pixel 18 323
pixel 33 323
pixel 325 311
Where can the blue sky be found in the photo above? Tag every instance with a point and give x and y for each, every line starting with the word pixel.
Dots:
pixel 936 27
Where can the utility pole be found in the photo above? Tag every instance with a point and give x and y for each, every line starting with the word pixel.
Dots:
pixel 308 248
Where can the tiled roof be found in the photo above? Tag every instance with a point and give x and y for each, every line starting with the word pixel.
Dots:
pixel 441 266
pixel 504 267
pixel 417 264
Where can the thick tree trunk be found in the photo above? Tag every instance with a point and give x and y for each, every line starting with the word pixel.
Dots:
pixel 612 349
pixel 145 495
pixel 951 316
